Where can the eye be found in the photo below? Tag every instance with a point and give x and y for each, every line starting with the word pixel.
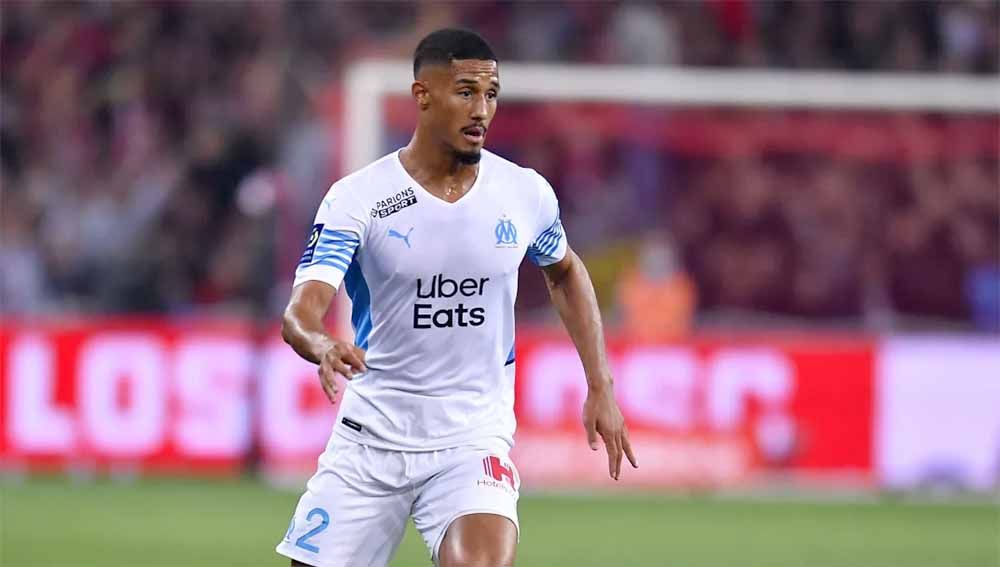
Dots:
pixel 465 93
pixel 491 95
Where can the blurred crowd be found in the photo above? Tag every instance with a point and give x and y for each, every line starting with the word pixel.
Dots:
pixel 925 35
pixel 168 156
pixel 843 240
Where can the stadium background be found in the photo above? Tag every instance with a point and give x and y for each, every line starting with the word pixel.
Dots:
pixel 803 304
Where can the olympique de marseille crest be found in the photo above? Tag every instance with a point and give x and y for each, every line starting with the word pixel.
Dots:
pixel 505 233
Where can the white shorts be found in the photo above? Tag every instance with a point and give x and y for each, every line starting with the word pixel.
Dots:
pixel 354 510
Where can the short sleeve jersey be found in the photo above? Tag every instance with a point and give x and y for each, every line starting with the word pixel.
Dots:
pixel 432 286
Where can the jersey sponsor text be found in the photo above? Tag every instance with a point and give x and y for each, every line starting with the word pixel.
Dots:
pixel 425 316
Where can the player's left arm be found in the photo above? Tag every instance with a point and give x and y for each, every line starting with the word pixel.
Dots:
pixel 573 295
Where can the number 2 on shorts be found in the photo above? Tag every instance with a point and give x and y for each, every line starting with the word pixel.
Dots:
pixel 303 541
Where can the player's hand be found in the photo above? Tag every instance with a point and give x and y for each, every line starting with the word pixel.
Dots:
pixel 342 358
pixel 601 416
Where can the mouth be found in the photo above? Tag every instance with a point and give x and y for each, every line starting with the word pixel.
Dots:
pixel 474 134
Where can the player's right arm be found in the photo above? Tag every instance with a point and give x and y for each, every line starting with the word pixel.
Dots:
pixel 302 328
pixel 339 229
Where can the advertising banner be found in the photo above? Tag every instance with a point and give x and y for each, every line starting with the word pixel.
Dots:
pixel 156 396
pixel 938 413
pixel 703 413
pixel 214 397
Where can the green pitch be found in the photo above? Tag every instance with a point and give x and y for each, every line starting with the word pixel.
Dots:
pixel 191 523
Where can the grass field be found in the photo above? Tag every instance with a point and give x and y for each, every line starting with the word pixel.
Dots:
pixel 191 523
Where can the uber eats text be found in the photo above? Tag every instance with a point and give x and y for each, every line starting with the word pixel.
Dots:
pixel 429 315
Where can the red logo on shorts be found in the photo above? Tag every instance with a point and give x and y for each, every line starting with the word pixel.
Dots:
pixel 497 471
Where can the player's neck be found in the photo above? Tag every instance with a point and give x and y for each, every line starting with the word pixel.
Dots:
pixel 437 169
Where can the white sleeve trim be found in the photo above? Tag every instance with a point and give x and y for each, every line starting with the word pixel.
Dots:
pixel 321 273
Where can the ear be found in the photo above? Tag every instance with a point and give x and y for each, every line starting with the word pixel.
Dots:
pixel 421 93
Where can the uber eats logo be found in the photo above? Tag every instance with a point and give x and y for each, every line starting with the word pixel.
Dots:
pixel 429 315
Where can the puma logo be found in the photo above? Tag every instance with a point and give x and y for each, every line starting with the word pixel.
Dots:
pixel 400 236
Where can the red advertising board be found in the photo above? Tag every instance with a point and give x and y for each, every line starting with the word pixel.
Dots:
pixel 155 396
pixel 159 395
pixel 708 412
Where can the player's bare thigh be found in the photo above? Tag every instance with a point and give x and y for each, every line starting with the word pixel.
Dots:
pixel 479 540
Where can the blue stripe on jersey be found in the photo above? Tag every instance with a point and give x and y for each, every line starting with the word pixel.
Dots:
pixel 547 233
pixel 330 233
pixel 554 244
pixel 345 248
pixel 510 357
pixel 552 226
pixel 361 304
pixel 338 241
pixel 534 254
pixel 345 253
pixel 350 246
pixel 547 242
pixel 332 248
pixel 540 242
pixel 556 230
pixel 337 258
pixel 335 262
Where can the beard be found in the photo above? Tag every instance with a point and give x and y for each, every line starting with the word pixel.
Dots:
pixel 468 158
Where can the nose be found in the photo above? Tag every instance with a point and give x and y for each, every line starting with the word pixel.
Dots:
pixel 479 109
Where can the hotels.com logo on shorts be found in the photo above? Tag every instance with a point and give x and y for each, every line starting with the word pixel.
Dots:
pixel 499 475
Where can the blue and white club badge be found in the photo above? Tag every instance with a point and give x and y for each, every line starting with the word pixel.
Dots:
pixel 505 233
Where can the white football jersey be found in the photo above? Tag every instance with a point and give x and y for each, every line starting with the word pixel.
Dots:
pixel 433 286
